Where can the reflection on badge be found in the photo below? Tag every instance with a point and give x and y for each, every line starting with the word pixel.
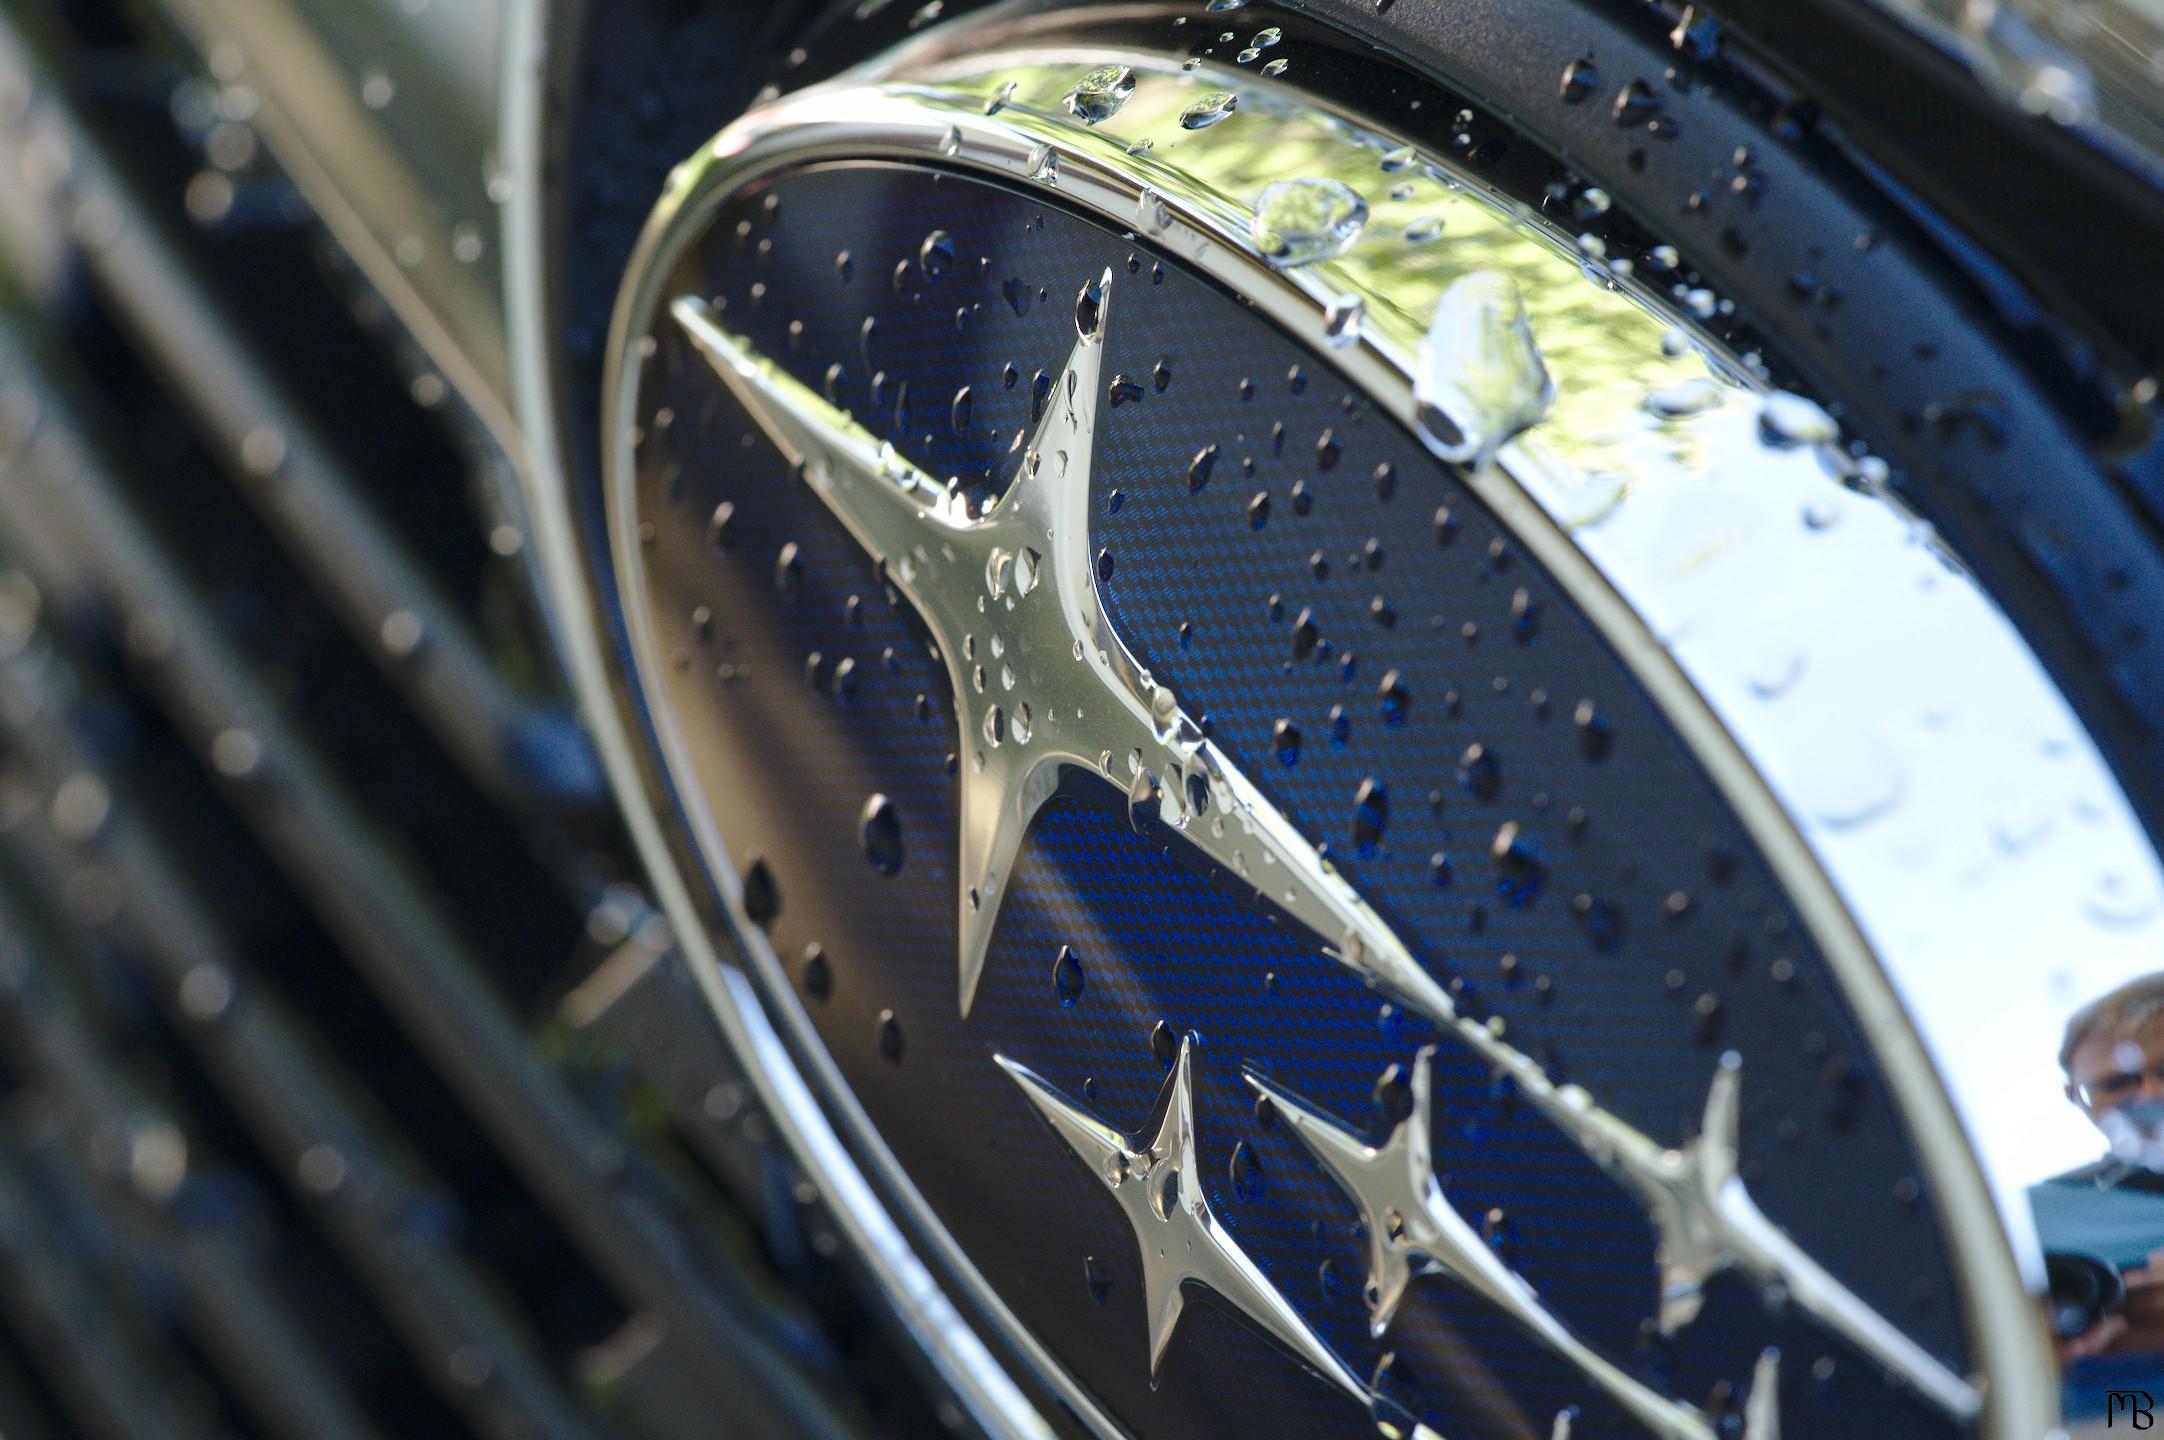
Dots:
pixel 2101 1224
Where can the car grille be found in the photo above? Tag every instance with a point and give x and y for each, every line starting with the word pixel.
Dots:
pixel 351 1088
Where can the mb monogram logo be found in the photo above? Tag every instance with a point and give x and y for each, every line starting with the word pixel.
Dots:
pixel 2133 1406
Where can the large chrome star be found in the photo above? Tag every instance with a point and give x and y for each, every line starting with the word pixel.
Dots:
pixel 1706 1221
pixel 1414 1230
pixel 1042 684
pixel 1157 1181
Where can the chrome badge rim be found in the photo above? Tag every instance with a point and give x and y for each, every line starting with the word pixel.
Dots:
pixel 997 100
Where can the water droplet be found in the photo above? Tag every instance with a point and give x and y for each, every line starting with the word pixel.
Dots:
pixel 935 257
pixel 879 827
pixel 1305 635
pixel 1519 871
pixel 789 572
pixel 1774 671
pixel 1297 222
pixel 998 99
pixel 818 973
pixel 1098 95
pixel 1285 741
pixel 1258 510
pixel 995 721
pixel 1264 39
pixel 1402 158
pixel 1044 164
pixel 1026 567
pixel 1426 228
pixel 951 143
pixel 1277 67
pixel 1480 772
pixel 721 528
pixel 1688 397
pixel 2121 902
pixel 1165 1043
pixel 1341 319
pixel 1067 977
pixel 1218 7
pixel 1396 697
pixel 1787 419
pixel 1479 378
pixel 1089 309
pixel 844 267
pixel 1636 103
pixel 1580 79
pixel 1199 468
pixel 1096 1278
pixel 958 414
pixel 889 1035
pixel 1210 109
pixel 762 898
pixel 1152 215
pixel 1853 776
pixel 1371 816
pixel 1105 566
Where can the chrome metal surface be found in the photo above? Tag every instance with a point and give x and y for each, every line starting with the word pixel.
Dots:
pixel 1414 1230
pixel 1156 1178
pixel 1665 525
pixel 1042 682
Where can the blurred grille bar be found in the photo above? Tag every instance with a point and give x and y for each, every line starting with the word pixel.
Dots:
pixel 441 1173
pixel 284 467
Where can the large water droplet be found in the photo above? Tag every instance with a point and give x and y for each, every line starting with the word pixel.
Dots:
pixel 1210 109
pixel 1341 319
pixel 1479 378
pixel 1089 309
pixel 1099 94
pixel 1854 775
pixel 1687 397
pixel 1199 468
pixel 1067 977
pixel 1787 419
pixel 1297 222
pixel 879 827
pixel 935 257
pixel 1580 79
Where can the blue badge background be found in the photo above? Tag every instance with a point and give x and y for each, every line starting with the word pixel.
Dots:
pixel 1602 982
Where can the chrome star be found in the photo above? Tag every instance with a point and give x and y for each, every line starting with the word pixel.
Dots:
pixel 1707 1221
pixel 1414 1230
pixel 1042 683
pixel 1156 1180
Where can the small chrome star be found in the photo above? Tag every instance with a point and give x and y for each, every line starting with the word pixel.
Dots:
pixel 1707 1221
pixel 1155 1177
pixel 1414 1230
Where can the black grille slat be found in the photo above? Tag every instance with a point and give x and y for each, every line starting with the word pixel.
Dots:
pixel 292 1105
pixel 558 1210
pixel 394 935
pixel 236 1317
pixel 286 468
pixel 106 1382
